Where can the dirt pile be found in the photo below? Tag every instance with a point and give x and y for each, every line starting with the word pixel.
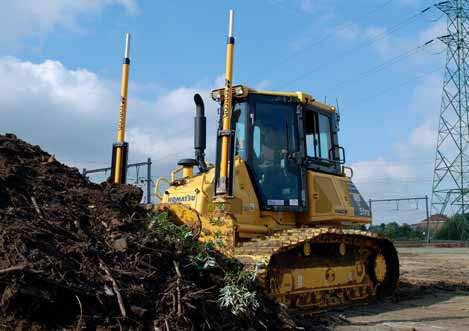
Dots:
pixel 76 254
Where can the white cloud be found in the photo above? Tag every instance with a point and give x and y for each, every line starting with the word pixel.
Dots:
pixel 423 137
pixel 178 101
pixel 22 18
pixel 74 91
pixel 68 112
pixel 166 150
pixel 166 134
pixel 385 179
pixel 407 170
pixel 379 169
pixel 388 43
pixel 425 103
pixel 73 113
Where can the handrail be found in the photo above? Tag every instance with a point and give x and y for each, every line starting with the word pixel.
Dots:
pixel 175 172
pixel 157 186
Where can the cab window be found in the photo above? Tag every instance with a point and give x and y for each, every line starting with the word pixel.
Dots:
pixel 311 134
pixel 239 123
pixel 325 136
pixel 317 128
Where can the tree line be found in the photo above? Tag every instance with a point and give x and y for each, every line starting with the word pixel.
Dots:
pixel 456 228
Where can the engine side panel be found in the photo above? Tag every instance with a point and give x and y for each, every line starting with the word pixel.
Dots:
pixel 333 199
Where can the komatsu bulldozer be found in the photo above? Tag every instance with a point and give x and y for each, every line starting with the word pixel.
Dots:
pixel 280 199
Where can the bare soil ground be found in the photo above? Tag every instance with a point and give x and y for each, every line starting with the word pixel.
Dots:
pixel 433 295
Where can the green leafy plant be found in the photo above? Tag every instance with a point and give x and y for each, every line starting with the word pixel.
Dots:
pixel 204 260
pixel 219 240
pixel 160 224
pixel 239 293
pixel 394 231
pixel 200 253
pixel 456 228
pixel 217 221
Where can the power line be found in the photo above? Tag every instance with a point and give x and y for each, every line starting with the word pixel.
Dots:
pixel 386 63
pixel 433 20
pixel 395 87
pixel 330 34
pixel 375 39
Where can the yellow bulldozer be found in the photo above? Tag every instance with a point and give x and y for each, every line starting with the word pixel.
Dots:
pixel 280 199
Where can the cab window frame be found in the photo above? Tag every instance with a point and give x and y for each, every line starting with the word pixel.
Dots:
pixel 317 162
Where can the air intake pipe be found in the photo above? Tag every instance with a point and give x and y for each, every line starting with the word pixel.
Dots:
pixel 200 133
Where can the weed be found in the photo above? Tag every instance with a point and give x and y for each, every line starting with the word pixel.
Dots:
pixel 200 253
pixel 239 293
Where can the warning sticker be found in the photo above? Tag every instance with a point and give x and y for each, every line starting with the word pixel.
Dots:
pixel 275 202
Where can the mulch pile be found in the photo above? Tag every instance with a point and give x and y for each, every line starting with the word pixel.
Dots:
pixel 74 254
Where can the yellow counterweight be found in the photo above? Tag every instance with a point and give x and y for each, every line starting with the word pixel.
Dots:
pixel 227 107
pixel 119 160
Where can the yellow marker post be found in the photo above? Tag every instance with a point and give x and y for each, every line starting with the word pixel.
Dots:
pixel 227 107
pixel 119 158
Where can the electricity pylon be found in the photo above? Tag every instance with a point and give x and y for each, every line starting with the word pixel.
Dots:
pixel 450 194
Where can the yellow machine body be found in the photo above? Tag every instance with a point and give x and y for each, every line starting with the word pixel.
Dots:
pixel 329 198
pixel 318 257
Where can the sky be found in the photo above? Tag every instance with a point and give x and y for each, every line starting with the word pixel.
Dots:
pixel 60 69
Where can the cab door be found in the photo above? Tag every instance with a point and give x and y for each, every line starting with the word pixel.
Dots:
pixel 275 168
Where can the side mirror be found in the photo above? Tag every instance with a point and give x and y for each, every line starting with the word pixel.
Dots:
pixel 332 153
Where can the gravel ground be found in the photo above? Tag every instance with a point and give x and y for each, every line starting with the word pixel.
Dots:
pixel 434 295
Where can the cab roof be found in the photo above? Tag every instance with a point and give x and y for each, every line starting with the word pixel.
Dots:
pixel 242 91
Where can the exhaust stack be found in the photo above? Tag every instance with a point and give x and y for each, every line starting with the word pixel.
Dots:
pixel 200 133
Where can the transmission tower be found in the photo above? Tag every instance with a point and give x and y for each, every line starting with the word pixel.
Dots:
pixel 450 194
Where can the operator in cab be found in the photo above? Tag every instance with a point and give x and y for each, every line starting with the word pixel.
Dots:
pixel 271 163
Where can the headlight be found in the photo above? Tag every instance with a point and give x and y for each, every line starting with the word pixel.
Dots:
pixel 238 90
pixel 216 95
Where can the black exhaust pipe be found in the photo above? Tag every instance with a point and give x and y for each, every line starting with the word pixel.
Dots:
pixel 200 133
